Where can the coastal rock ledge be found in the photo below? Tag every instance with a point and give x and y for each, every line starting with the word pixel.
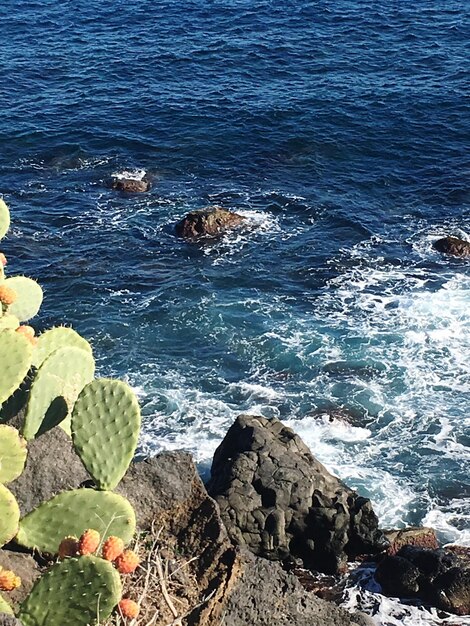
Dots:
pixel 453 246
pixel 277 500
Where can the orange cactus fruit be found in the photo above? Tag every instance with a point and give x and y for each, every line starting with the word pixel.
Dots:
pixel 68 547
pixel 128 608
pixel 3 259
pixel 127 562
pixel 9 580
pixel 7 295
pixel 112 548
pixel 89 542
pixel 27 331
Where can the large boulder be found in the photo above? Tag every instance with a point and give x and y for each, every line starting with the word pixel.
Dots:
pixel 283 504
pixel 207 223
pixel 453 245
pixel 265 594
pixel 52 466
pixel 439 577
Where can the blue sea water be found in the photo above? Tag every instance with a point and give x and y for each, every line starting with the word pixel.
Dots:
pixel 341 131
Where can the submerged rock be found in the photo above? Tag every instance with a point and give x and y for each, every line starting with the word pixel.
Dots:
pixel 438 577
pixel 283 504
pixel 131 185
pixel 453 246
pixel 207 223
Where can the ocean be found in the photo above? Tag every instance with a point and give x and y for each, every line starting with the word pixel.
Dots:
pixel 341 131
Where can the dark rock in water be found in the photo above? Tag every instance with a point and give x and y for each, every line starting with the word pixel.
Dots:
pixel 25 567
pixel 131 185
pixel 421 537
pixel 52 466
pixel 438 577
pixel 207 223
pixel 453 245
pixel 265 594
pixel 283 504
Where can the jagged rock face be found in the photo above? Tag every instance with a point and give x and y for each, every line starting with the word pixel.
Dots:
pixel 207 223
pixel 438 577
pixel 283 504
pixel 453 246
pixel 130 185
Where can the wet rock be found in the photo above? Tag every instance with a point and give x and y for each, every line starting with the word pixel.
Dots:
pixel 283 504
pixel 207 223
pixel 439 577
pixel 25 567
pixel 453 246
pixel 421 537
pixel 265 594
pixel 131 185
pixel 52 466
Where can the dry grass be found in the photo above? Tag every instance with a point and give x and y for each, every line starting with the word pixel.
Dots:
pixel 164 585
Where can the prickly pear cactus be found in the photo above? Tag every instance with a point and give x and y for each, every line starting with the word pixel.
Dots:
pixel 8 322
pixel 73 512
pixel 15 358
pixel 105 429
pixel 9 515
pixel 4 219
pixel 12 453
pixel 63 374
pixel 28 297
pixel 55 338
pixel 6 608
pixel 76 592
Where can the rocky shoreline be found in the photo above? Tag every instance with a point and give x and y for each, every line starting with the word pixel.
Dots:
pixel 235 558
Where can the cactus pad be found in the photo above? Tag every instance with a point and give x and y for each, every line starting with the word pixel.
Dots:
pixel 63 374
pixel 29 297
pixel 105 429
pixel 15 359
pixel 75 592
pixel 12 453
pixel 8 321
pixel 9 515
pixel 6 608
pixel 4 219
pixel 56 338
pixel 71 513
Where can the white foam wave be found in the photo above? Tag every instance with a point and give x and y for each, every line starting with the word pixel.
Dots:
pixel 131 174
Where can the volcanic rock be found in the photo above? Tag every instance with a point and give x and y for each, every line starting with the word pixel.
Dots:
pixel 276 499
pixel 421 537
pixel 25 567
pixel 207 223
pixel 438 577
pixel 131 185
pixel 453 246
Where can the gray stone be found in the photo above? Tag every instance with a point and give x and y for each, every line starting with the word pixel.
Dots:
pixel 52 466
pixel 283 504
pixel 265 594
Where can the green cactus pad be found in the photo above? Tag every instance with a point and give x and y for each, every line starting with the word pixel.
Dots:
pixel 12 453
pixel 5 607
pixel 71 513
pixel 4 219
pixel 76 592
pixel 63 374
pixel 15 359
pixel 105 429
pixel 56 338
pixel 29 297
pixel 9 515
pixel 8 322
